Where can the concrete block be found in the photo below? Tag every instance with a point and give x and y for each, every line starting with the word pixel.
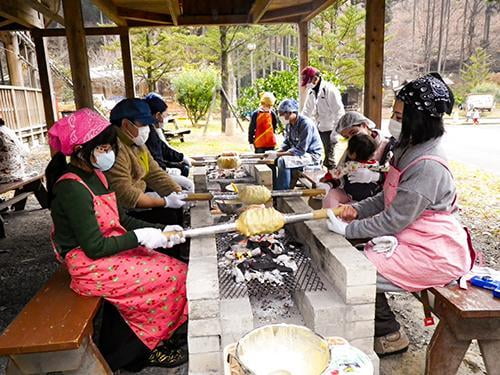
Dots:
pixel 204 327
pixel 364 344
pixel 236 316
pixel 203 309
pixel 200 215
pixel 203 344
pixel 202 279
pixel 263 175
pixel 205 363
pixel 360 294
pixel 200 179
pixel 202 247
pixel 347 330
pixel 376 363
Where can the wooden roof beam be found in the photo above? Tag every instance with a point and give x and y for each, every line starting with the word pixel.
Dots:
pixel 297 10
pixel 20 13
pixel 109 9
pixel 318 6
pixel 174 8
pixel 259 7
pixel 48 14
pixel 140 15
pixel 236 19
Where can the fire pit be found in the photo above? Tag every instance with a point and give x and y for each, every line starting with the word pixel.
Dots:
pixel 331 288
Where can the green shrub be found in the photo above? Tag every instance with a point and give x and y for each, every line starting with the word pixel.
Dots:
pixel 488 88
pixel 194 89
pixel 282 84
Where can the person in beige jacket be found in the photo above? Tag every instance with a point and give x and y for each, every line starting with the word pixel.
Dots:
pixel 141 186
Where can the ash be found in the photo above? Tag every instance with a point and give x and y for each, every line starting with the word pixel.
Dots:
pixel 276 309
pixel 214 173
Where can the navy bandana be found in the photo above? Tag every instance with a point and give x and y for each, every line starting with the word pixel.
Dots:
pixel 428 93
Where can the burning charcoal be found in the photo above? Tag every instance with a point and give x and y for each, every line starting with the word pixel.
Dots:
pixel 280 234
pixel 286 261
pixel 238 275
pixel 230 255
pixel 281 268
pixel 252 244
pixel 265 244
pixel 294 245
pixel 278 248
pixel 273 277
pixel 262 263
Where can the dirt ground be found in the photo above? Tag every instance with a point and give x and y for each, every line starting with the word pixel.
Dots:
pixel 27 261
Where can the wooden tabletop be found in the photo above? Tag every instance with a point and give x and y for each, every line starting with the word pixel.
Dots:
pixel 55 319
pixel 472 302
pixel 17 184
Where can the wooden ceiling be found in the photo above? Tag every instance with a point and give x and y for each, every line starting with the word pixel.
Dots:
pixel 28 14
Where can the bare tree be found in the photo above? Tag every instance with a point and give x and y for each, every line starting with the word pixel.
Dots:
pixel 462 45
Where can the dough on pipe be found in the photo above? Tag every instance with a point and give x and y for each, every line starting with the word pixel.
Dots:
pixel 259 221
pixel 254 194
pixel 228 162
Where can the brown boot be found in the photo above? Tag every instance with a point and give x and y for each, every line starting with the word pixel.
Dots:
pixel 393 343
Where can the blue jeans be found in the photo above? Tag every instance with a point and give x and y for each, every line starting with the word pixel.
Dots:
pixel 284 175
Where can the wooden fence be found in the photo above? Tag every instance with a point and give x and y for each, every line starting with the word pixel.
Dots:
pixel 22 110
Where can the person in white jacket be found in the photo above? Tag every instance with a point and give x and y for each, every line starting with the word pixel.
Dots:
pixel 324 106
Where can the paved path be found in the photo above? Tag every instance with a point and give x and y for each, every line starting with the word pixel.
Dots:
pixel 476 146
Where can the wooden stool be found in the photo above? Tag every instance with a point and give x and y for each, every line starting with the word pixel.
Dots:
pixel 465 315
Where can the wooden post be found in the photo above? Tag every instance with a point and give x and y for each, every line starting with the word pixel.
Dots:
pixel 303 57
pixel 374 60
pixel 45 77
pixel 14 61
pixel 77 51
pixel 128 69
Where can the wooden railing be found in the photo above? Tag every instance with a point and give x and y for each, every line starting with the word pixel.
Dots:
pixel 22 110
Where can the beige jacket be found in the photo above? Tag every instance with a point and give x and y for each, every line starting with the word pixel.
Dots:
pixel 134 171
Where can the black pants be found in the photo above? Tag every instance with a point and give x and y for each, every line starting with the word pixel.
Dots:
pixel 329 148
pixel 119 345
pixel 385 320
pixel 261 150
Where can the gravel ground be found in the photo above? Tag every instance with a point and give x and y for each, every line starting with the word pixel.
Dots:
pixel 26 262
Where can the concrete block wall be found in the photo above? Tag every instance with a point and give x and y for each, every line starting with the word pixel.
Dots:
pixel 347 307
pixel 199 175
pixel 261 173
pixel 204 327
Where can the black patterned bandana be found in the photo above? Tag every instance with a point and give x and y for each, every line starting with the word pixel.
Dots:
pixel 428 93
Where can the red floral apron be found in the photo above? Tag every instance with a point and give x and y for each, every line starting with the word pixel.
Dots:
pixel 433 251
pixel 147 287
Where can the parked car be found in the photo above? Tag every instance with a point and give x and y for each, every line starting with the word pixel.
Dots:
pixel 480 102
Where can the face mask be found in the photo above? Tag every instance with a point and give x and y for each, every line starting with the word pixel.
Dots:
pixel 395 128
pixel 142 137
pixel 283 120
pixel 104 160
pixel 310 85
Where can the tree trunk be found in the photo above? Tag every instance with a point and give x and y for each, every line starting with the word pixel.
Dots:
pixel 441 32
pixel 445 52
pixel 462 44
pixel 224 69
pixel 414 18
pixel 487 22
pixel 475 10
pixel 431 36
pixel 149 70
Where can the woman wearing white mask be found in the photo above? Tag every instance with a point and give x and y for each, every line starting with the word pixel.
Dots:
pixel 141 186
pixel 417 242
pixel 359 184
pixel 100 245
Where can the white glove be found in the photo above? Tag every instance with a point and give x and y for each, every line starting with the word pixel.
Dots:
pixel 173 171
pixel 152 238
pixel 335 224
pixel 271 154
pixel 174 239
pixel 363 176
pixel 175 200
pixel 325 186
pixel 187 161
pixel 384 244
pixel 152 194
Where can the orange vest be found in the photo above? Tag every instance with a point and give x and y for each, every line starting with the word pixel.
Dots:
pixel 264 132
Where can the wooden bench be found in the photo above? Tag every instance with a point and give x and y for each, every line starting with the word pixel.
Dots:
pixel 22 190
pixel 53 333
pixel 173 134
pixel 464 315
pixel 310 179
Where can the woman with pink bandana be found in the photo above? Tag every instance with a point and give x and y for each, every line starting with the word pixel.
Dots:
pixel 110 254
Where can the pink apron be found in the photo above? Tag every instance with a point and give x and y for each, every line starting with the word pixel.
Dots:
pixel 147 287
pixel 433 251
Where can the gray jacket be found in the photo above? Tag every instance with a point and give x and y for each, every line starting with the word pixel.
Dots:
pixel 427 185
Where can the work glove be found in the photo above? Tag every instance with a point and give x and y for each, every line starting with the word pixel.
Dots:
pixel 363 176
pixel 187 160
pixel 151 238
pixel 175 236
pixel 271 154
pixel 323 185
pixel 173 171
pixel 384 244
pixel 175 200
pixel 335 224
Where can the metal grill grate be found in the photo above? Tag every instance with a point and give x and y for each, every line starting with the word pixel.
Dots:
pixel 305 278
